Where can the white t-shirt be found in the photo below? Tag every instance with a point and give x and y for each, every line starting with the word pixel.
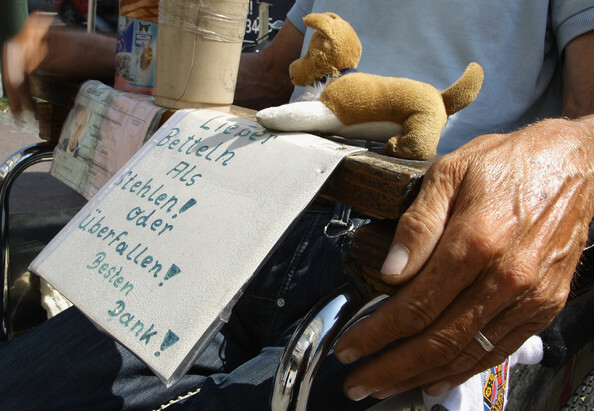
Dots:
pixel 518 44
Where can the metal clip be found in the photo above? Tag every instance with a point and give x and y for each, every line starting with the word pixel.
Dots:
pixel 342 227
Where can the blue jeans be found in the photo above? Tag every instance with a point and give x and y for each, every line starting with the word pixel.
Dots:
pixel 66 363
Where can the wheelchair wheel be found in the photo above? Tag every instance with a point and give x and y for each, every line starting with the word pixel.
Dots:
pixel 583 397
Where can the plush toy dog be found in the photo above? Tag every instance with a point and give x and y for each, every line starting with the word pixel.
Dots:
pixel 406 114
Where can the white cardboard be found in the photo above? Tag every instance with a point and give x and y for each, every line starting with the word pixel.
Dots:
pixel 163 250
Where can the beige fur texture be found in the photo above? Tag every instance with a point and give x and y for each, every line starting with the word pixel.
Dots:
pixel 359 98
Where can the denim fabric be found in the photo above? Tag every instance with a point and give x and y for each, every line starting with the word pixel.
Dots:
pixel 66 363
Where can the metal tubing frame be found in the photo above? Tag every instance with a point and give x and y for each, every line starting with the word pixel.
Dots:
pixel 10 169
pixel 91 16
pixel 312 340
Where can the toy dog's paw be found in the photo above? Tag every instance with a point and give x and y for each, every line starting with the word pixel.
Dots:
pixel 304 116
pixel 272 117
pixel 390 147
pixel 397 147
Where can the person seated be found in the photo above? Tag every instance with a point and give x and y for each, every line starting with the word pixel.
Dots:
pixel 490 245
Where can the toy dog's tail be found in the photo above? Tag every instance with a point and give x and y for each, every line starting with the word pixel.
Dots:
pixel 464 90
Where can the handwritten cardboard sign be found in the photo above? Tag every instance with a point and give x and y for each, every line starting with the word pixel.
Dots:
pixel 159 256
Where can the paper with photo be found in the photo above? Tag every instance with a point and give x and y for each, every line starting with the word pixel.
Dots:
pixel 102 131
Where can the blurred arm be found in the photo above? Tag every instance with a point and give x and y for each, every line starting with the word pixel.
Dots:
pixel 43 44
pixel 578 81
pixel 263 78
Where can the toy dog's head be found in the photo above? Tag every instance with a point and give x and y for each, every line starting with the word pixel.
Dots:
pixel 333 47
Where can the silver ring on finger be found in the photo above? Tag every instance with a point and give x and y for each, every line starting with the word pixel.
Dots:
pixel 484 342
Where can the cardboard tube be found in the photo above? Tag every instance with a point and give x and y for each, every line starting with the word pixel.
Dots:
pixel 199 52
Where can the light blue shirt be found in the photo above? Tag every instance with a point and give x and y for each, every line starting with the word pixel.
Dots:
pixel 518 43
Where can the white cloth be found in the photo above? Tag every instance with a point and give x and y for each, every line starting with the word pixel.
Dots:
pixel 490 387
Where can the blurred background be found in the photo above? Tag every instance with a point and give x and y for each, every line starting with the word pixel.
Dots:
pixel 74 12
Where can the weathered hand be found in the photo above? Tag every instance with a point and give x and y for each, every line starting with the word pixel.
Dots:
pixel 20 56
pixel 490 244
pixel 44 44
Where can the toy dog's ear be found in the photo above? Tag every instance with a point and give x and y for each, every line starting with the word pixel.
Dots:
pixel 322 22
pixel 345 44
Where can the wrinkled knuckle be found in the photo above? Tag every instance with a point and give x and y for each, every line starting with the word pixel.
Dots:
pixel 557 303
pixel 464 361
pixel 539 296
pixel 442 350
pixel 475 244
pixel 459 365
pixel 518 278
pixel 386 371
pixel 543 307
pixel 445 165
pixel 377 338
pixel 560 294
pixel 484 245
pixel 415 317
pixel 418 223
pixel 454 252
pixel 441 175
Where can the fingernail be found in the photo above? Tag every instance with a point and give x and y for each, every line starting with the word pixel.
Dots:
pixel 385 393
pixel 396 260
pixel 438 388
pixel 347 355
pixel 358 392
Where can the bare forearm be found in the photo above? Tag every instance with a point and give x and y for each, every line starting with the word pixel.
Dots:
pixel 49 46
pixel 263 78
pixel 256 87
pixel 578 82
pixel 45 44
pixel 87 55
pixel 578 95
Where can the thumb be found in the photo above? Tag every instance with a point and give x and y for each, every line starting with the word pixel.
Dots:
pixel 421 226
